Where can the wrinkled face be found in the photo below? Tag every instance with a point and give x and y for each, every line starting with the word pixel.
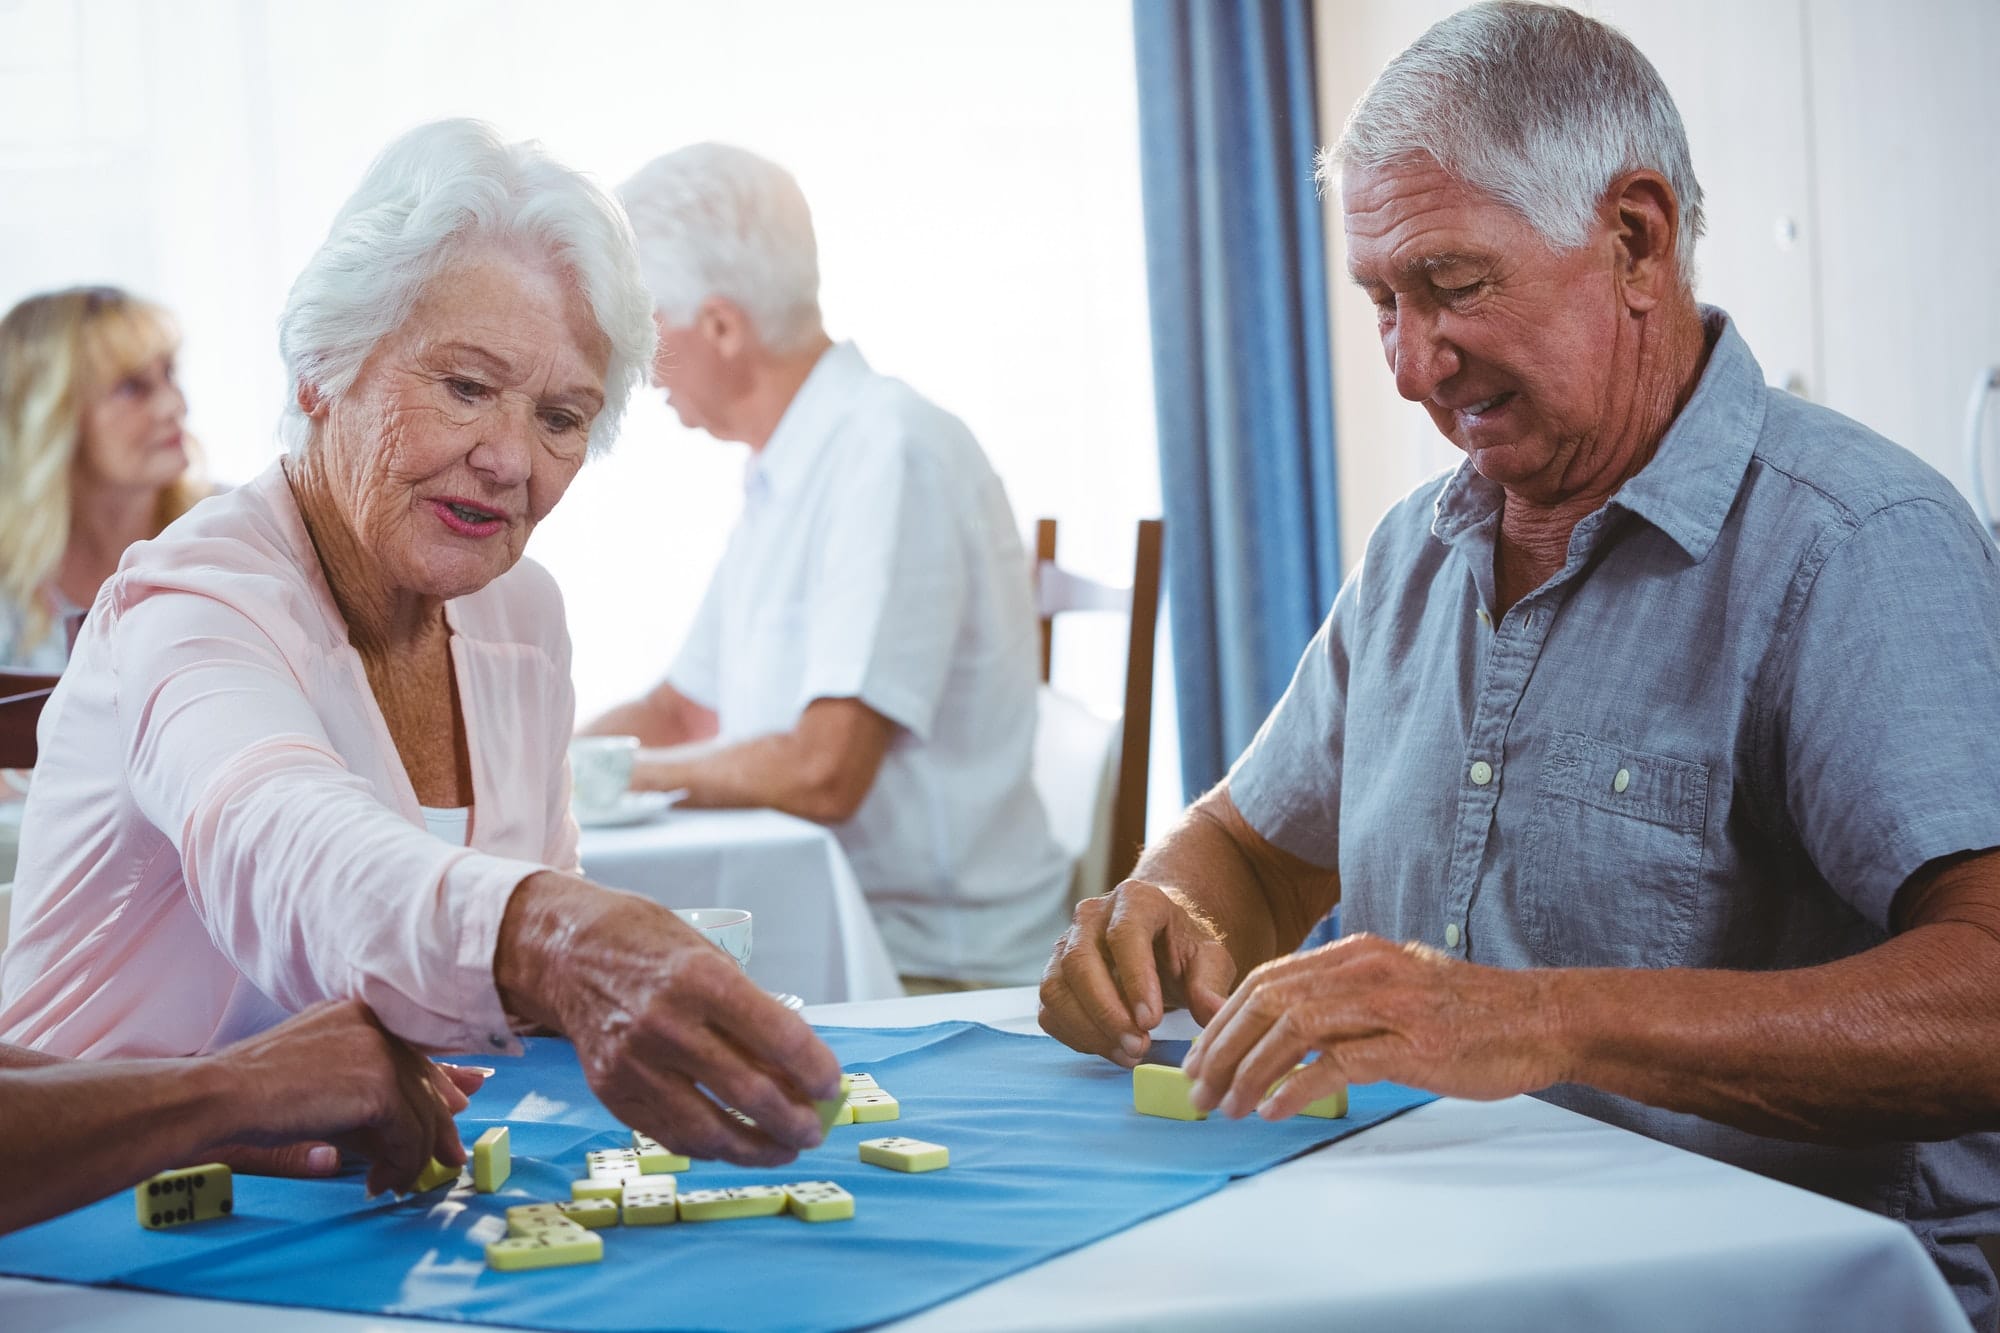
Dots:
pixel 132 430
pixel 467 424
pixel 684 367
pixel 1520 354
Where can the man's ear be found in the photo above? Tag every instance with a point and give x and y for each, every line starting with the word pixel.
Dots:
pixel 1644 218
pixel 726 325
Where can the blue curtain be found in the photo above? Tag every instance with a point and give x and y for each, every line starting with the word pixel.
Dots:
pixel 1242 372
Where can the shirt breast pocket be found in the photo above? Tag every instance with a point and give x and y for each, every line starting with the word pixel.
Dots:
pixel 1613 871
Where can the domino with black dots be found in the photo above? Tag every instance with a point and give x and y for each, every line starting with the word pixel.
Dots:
pixel 186 1194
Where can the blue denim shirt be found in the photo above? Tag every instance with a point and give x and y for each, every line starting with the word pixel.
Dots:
pixel 1762 691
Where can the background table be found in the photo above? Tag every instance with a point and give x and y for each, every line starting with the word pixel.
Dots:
pixel 811 932
pixel 1495 1216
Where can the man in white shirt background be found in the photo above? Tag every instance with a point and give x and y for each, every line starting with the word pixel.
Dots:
pixel 865 653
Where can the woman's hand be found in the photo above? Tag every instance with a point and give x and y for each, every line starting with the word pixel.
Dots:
pixel 670 1032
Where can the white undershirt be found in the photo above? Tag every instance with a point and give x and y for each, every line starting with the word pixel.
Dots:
pixel 453 826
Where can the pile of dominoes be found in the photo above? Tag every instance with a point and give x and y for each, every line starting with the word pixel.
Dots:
pixel 639 1186
pixel 634 1187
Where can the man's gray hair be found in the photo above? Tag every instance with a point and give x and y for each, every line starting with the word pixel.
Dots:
pixel 434 192
pixel 716 220
pixel 1537 106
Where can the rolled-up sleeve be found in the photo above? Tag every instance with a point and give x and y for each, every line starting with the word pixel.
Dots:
pixel 307 881
pixel 1287 781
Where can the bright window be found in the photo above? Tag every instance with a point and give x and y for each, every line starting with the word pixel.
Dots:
pixel 973 170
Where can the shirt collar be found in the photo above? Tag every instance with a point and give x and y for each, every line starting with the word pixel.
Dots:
pixel 1686 491
pixel 807 423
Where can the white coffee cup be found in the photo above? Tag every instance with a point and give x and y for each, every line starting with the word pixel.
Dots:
pixel 727 928
pixel 600 773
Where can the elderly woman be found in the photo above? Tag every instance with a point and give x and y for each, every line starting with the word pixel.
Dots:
pixel 312 743
pixel 93 457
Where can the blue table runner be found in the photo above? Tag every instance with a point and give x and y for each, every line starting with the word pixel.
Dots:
pixel 1046 1155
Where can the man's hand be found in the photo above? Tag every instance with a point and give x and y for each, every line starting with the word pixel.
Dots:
pixel 331 1077
pixel 666 1025
pixel 1125 958
pixel 822 769
pixel 1374 1010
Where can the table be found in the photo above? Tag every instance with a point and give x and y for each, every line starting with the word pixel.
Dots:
pixel 811 931
pixel 1494 1216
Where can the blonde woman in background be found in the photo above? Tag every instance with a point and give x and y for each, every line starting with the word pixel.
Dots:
pixel 93 457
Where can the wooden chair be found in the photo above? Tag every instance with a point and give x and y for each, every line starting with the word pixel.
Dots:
pixel 1115 790
pixel 22 694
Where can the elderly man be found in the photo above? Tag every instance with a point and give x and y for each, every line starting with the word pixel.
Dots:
pixel 865 652
pixel 1653 755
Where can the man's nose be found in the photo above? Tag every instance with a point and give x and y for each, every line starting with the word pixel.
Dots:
pixel 1419 355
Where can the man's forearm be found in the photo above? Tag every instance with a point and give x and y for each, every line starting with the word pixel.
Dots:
pixel 774 772
pixel 77 1130
pixel 639 718
pixel 1208 863
pixel 1897 1042
pixel 21 1057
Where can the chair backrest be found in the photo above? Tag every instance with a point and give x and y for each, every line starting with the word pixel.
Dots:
pixel 22 694
pixel 1117 808
pixel 1076 775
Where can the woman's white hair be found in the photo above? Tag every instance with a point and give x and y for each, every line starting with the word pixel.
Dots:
pixel 716 220
pixel 434 191
pixel 1535 105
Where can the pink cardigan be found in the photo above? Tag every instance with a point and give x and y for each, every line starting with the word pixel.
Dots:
pixel 220 830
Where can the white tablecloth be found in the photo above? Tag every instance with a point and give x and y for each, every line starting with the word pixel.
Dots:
pixel 811 932
pixel 1488 1216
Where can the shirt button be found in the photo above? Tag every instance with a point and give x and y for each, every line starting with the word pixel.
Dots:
pixel 1622 781
pixel 1484 619
pixel 499 1042
pixel 1482 773
pixel 1451 934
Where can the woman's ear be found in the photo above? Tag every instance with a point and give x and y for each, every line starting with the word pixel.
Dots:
pixel 311 401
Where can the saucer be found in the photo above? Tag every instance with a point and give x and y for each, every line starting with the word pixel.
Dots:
pixel 634 807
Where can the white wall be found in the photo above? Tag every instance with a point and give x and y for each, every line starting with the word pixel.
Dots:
pixel 1847 154
pixel 973 169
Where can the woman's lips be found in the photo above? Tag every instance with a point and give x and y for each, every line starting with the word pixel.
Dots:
pixel 468 519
